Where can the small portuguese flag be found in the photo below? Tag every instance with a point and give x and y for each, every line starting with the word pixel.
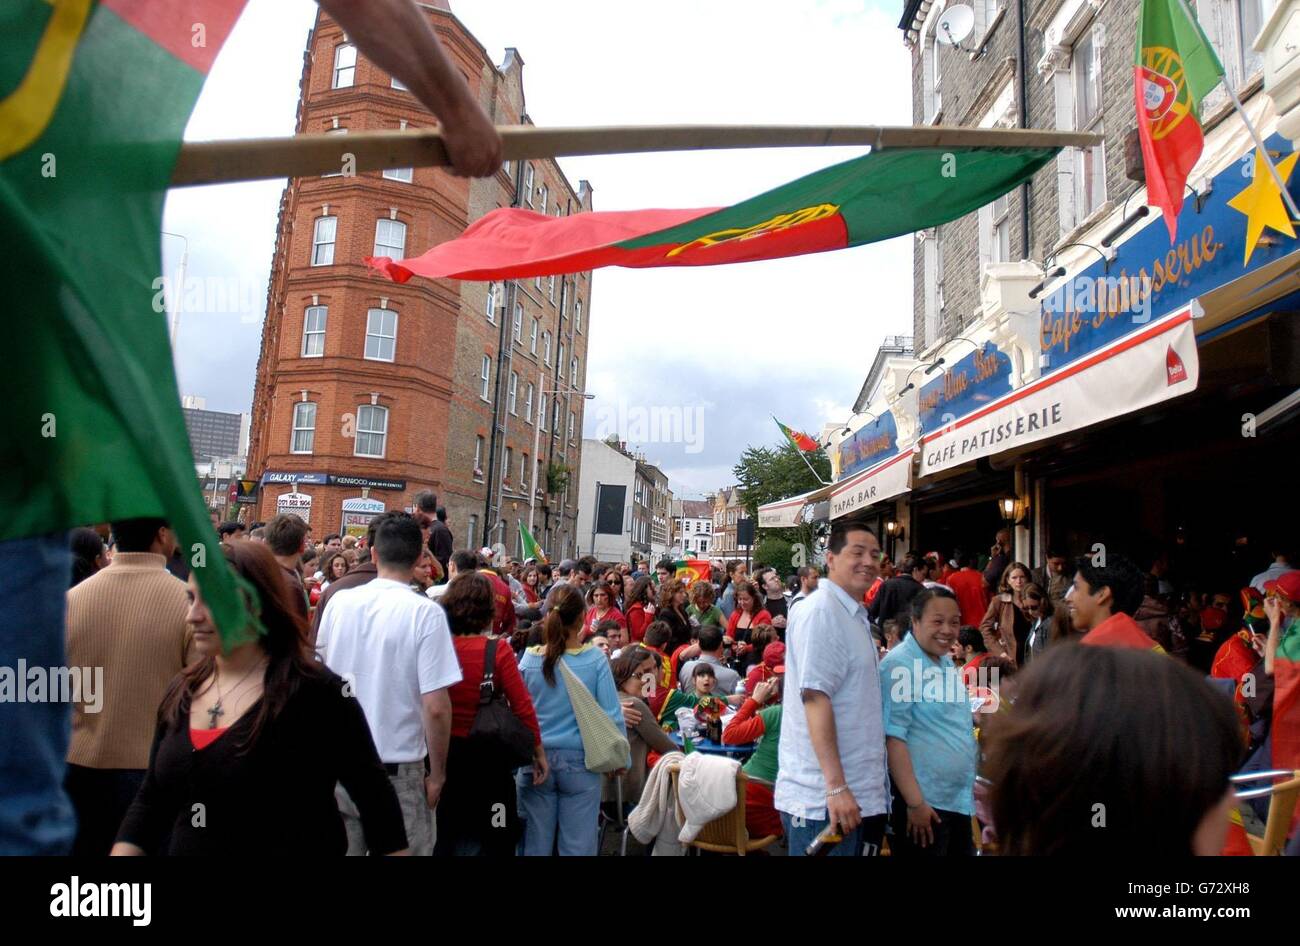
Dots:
pixel 800 441
pixel 530 546
pixel 94 97
pixel 691 570
pixel 1175 69
pixel 881 195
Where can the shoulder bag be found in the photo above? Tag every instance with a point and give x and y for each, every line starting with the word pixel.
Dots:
pixel 496 728
pixel 604 745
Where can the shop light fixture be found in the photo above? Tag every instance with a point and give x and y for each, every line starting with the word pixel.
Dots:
pixel 1012 509
pixel 939 362
pixel 1123 225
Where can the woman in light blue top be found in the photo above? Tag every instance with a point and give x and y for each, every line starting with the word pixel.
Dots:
pixel 928 734
pixel 561 814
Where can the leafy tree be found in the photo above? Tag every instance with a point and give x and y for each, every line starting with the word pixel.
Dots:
pixel 766 474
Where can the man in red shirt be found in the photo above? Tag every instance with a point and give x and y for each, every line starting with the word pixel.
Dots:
pixel 968 586
pixel 465 562
pixel 1102 601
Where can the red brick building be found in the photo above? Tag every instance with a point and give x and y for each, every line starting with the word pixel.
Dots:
pixel 366 384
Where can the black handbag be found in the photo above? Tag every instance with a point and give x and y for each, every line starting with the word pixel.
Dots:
pixel 496 728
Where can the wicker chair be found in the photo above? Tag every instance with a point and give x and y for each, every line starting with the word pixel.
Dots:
pixel 728 834
pixel 1281 813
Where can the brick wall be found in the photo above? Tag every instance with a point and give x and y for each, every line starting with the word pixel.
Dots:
pixel 965 87
pixel 432 386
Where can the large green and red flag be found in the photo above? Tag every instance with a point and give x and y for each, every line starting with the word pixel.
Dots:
pixel 880 195
pixel 1175 69
pixel 94 97
pixel 798 440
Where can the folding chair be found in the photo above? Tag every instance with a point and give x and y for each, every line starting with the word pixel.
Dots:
pixel 727 834
pixel 1281 809
pixel 620 823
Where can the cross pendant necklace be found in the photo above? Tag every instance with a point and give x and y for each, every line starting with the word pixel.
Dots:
pixel 215 710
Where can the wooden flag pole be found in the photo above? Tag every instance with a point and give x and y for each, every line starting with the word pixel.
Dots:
pixel 252 159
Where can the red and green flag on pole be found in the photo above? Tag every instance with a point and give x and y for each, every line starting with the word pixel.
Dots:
pixel 798 440
pixel 1175 69
pixel 94 98
pixel 884 194
pixel 529 545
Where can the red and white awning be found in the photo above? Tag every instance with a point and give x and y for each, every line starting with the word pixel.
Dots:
pixel 1146 367
pixel 786 513
pixel 886 479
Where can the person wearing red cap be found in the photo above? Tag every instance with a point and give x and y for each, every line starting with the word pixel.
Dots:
pixel 1103 600
pixel 767 668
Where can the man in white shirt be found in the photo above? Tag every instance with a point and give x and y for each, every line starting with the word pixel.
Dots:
pixel 393 648
pixel 833 771
pixel 808 578
pixel 1281 565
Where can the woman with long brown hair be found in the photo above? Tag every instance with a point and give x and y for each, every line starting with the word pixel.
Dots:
pixel 254 739
pixel 640 608
pixel 561 812
pixel 601 599
pixel 749 614
pixel 672 611
pixel 1005 625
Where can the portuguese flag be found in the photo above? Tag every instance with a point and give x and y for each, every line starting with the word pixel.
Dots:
pixel 1175 69
pixel 94 97
pixel 881 195
pixel 529 545
pixel 800 441
pixel 693 569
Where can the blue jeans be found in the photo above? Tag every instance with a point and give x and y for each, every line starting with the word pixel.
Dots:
pixel 35 814
pixel 865 839
pixel 562 814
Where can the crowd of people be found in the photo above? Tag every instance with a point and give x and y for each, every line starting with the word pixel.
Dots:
pixel 405 697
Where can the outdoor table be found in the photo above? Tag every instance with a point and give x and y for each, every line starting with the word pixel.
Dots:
pixel 709 747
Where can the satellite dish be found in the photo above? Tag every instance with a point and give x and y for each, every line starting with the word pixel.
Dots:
pixel 955 24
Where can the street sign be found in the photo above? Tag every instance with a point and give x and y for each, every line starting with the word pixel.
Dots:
pixel 244 491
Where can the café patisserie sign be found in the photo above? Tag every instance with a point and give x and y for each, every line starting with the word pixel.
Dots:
pixel 1152 365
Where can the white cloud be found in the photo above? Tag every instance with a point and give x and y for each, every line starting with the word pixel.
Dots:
pixel 792 338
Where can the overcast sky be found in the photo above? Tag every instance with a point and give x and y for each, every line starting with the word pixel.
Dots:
pixel 726 346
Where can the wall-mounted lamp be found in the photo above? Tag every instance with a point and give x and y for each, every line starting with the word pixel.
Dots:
pixel 1047 277
pixel 1122 226
pixel 894 529
pixel 940 362
pixel 1012 509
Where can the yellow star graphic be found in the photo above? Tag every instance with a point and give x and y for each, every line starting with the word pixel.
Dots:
pixel 1261 201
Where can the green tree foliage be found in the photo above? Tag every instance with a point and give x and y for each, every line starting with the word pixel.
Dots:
pixel 766 474
pixel 774 551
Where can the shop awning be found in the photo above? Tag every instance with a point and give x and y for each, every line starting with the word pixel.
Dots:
pixel 786 513
pixel 886 479
pixel 1140 369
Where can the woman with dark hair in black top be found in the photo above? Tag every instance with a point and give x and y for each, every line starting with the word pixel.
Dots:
pixel 251 742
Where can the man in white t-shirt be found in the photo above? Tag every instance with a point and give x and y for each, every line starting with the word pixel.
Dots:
pixel 394 650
